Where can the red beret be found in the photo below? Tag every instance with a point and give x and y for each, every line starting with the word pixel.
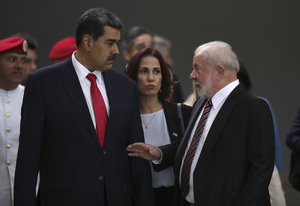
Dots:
pixel 63 48
pixel 15 43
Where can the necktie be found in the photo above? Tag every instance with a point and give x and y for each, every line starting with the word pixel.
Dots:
pixel 99 108
pixel 186 167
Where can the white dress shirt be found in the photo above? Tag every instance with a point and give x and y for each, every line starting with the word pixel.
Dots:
pixel 217 101
pixel 82 72
pixel 10 116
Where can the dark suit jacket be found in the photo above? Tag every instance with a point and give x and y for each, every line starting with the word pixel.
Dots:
pixel 237 159
pixel 293 137
pixel 174 120
pixel 58 140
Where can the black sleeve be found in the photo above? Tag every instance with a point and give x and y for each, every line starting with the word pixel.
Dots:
pixel 293 137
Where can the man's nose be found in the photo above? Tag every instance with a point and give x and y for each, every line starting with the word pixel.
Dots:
pixel 116 49
pixel 192 75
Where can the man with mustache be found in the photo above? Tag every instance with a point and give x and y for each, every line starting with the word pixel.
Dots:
pixel 12 72
pixel 78 117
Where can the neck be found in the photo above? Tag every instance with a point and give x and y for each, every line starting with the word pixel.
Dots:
pixel 149 105
pixel 82 58
pixel 9 87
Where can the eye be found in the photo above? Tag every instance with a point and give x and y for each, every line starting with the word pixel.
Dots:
pixel 110 44
pixel 11 59
pixel 140 46
pixel 157 71
pixel 26 60
pixel 143 70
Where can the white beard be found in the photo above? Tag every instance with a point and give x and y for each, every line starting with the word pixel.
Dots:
pixel 205 87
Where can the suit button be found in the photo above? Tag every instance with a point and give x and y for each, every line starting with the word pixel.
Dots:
pixel 101 178
pixel 7 114
pixel 8 130
pixel 104 152
pixel 8 162
pixel 7 101
pixel 8 146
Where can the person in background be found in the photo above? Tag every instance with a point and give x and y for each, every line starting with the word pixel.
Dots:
pixel 78 117
pixel 163 122
pixel 31 63
pixel 293 137
pixel 275 187
pixel 12 72
pixel 164 46
pixel 136 39
pixel 293 142
pixel 62 49
pixel 226 156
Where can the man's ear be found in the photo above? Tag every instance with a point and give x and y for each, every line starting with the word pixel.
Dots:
pixel 87 42
pixel 220 72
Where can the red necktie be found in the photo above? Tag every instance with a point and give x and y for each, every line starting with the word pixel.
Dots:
pixel 186 167
pixel 99 108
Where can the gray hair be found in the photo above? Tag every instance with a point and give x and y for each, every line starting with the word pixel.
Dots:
pixel 161 44
pixel 218 52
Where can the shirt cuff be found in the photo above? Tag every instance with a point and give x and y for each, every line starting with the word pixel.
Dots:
pixel 157 162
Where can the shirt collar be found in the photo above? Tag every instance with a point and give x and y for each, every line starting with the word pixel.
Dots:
pixel 223 93
pixel 82 71
pixel 11 92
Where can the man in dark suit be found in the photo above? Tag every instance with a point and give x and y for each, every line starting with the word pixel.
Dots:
pixel 60 127
pixel 233 159
pixel 226 157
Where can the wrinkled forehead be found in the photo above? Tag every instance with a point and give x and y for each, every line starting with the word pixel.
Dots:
pixel 197 58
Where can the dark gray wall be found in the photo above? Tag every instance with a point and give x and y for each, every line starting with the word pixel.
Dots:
pixel 264 33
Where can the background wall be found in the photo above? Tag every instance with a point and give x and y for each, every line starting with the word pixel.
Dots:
pixel 265 34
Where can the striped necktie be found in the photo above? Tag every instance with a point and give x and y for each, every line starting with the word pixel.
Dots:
pixel 186 167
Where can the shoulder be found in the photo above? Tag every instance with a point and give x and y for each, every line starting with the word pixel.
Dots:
pixel 118 78
pixel 186 108
pixel 254 105
pixel 170 106
pixel 52 70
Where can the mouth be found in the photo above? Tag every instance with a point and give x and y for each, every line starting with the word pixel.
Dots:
pixel 197 86
pixel 150 86
pixel 112 58
pixel 18 74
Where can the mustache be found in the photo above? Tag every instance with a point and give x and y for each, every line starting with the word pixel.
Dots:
pixel 112 57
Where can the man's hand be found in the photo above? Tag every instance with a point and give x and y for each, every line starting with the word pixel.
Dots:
pixel 145 151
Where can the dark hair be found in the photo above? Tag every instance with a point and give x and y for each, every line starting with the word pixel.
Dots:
pixel 32 42
pixel 244 77
pixel 167 81
pixel 92 22
pixel 133 33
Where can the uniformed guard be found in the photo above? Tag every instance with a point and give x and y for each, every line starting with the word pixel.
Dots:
pixel 12 72
pixel 62 49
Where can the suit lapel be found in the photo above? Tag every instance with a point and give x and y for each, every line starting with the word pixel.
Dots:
pixel 196 111
pixel 217 127
pixel 74 91
pixel 173 120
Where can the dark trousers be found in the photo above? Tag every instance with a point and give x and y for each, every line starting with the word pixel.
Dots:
pixel 164 196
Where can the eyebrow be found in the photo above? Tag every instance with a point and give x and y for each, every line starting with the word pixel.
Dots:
pixel 113 40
